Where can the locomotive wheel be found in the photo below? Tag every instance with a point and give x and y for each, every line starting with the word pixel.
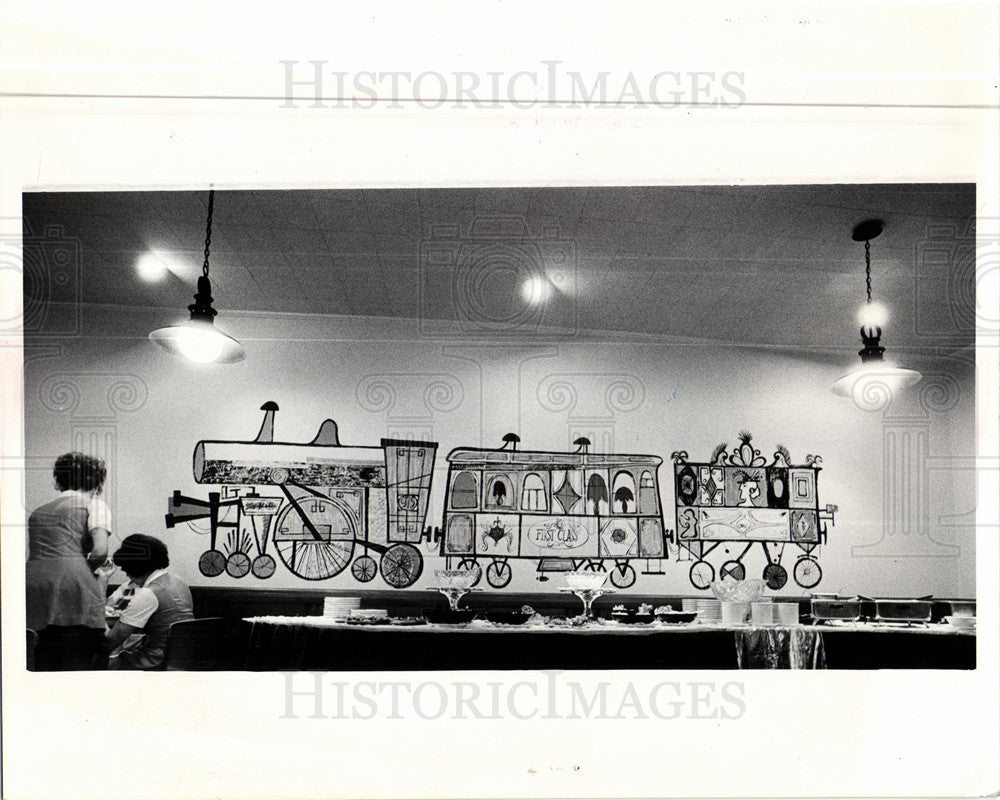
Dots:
pixel 471 565
pixel 212 563
pixel 310 558
pixel 594 566
pixel 701 575
pixel 734 570
pixel 498 574
pixel 807 572
pixel 775 576
pixel 238 564
pixel 364 569
pixel 401 565
pixel 263 566
pixel 622 575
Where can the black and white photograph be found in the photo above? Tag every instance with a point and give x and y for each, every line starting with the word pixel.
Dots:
pixel 605 427
pixel 500 401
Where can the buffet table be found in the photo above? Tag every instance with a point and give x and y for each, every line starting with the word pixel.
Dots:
pixel 321 643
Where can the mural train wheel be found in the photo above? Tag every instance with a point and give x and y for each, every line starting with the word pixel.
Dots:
pixel 623 575
pixel 263 566
pixel 238 564
pixel 734 570
pixel 315 561
pixel 807 572
pixel 701 575
pixel 498 574
pixel 364 569
pixel 314 538
pixel 594 566
pixel 212 563
pixel 775 576
pixel 401 565
pixel 471 565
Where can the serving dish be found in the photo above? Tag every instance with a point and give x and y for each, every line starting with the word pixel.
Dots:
pixel 370 616
pixel 903 610
pixel 446 616
pixel 631 617
pixel 831 607
pixel 507 617
pixel 963 608
pixel 676 616
pixel 962 623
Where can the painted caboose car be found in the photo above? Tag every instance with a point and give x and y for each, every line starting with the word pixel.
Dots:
pixel 737 499
pixel 317 505
pixel 567 510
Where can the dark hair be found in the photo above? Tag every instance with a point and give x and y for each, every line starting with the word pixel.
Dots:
pixel 80 472
pixel 140 554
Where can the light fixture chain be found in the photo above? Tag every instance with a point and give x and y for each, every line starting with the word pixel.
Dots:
pixel 208 234
pixel 868 266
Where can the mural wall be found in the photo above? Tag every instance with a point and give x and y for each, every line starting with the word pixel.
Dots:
pixel 399 505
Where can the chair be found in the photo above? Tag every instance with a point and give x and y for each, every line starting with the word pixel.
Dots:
pixel 31 643
pixel 201 644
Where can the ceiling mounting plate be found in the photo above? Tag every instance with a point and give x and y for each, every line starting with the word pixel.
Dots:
pixel 867 230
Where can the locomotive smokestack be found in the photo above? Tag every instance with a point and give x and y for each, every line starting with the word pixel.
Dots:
pixel 266 434
pixel 327 434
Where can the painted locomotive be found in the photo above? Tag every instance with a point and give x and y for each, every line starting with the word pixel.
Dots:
pixel 322 507
pixel 322 502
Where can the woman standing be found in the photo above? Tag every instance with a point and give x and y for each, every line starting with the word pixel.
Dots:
pixel 67 541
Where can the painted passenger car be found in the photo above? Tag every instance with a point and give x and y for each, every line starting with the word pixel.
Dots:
pixel 565 510
pixel 739 498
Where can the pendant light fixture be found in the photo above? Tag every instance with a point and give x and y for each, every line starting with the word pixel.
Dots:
pixel 198 339
pixel 875 372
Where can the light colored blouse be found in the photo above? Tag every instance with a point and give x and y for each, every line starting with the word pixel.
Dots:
pixel 61 588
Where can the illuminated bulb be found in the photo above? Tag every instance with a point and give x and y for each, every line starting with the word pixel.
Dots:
pixel 872 315
pixel 200 342
pixel 151 267
pixel 536 290
pixel 202 345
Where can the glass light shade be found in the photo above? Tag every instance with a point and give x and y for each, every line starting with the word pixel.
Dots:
pixel 875 378
pixel 200 342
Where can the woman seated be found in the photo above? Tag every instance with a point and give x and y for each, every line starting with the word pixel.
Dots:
pixel 159 599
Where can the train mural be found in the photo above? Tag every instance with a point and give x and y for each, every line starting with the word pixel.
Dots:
pixel 321 508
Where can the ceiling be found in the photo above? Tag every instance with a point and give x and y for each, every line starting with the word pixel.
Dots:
pixel 772 264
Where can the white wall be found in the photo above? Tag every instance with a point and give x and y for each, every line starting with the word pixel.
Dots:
pixel 111 391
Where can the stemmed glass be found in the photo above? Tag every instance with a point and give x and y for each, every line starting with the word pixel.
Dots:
pixel 588 586
pixel 455 584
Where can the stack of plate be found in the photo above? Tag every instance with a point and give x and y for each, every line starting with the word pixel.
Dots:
pixel 340 607
pixel 709 610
